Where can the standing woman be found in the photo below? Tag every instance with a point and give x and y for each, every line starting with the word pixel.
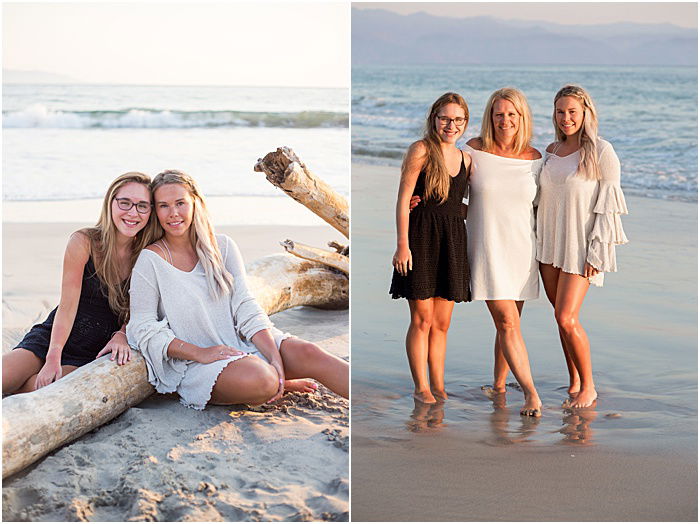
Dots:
pixel 94 293
pixel 578 226
pixel 501 231
pixel 430 262
pixel 197 324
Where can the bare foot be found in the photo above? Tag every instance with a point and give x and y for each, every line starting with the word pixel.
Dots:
pixel 439 394
pixel 499 388
pixel 532 407
pixel 584 399
pixel 574 386
pixel 426 397
pixel 300 385
pixel 491 391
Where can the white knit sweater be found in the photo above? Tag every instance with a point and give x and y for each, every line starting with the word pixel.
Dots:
pixel 167 303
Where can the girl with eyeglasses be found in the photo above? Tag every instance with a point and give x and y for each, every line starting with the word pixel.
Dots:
pixel 93 310
pixel 430 263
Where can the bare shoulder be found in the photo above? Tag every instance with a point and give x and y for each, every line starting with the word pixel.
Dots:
pixel 532 154
pixel 415 159
pixel 550 148
pixel 157 248
pixel 79 245
pixel 475 143
pixel 417 150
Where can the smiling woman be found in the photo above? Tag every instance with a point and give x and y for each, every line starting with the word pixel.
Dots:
pixel 94 299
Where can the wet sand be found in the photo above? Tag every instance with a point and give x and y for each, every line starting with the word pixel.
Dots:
pixel 161 461
pixel 633 457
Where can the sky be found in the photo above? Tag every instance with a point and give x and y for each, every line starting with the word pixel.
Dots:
pixel 246 43
pixel 684 14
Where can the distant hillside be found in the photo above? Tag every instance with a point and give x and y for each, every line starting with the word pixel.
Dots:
pixel 13 76
pixel 383 37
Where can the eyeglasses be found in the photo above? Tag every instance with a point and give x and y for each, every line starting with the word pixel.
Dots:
pixel 126 204
pixel 446 121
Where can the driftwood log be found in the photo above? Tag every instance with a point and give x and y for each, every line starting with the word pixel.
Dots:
pixel 329 258
pixel 283 169
pixel 36 423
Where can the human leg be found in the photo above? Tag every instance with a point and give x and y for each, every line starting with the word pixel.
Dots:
pixel 437 346
pixel 30 384
pixel 571 290
pixel 500 364
pixel 17 367
pixel 550 280
pixel 506 318
pixel 248 380
pixel 305 359
pixel 417 347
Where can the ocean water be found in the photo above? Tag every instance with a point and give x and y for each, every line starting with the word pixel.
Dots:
pixel 649 114
pixel 63 142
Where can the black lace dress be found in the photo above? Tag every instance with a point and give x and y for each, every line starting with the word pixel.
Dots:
pixel 437 238
pixel 93 327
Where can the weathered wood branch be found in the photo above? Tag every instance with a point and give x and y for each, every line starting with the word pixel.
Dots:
pixel 36 423
pixel 329 258
pixel 340 248
pixel 284 170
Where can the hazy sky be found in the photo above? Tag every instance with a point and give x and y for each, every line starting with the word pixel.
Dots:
pixel 247 43
pixel 684 14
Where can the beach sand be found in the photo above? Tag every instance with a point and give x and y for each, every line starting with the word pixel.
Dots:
pixel 632 458
pixel 161 461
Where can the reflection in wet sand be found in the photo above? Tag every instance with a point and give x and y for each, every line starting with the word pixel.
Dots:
pixel 500 418
pixel 426 417
pixel 577 425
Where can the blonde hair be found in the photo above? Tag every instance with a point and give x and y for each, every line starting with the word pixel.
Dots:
pixel 437 177
pixel 524 134
pixel 588 133
pixel 103 246
pixel 201 232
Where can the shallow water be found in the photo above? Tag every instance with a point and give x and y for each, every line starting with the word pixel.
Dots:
pixel 648 113
pixel 641 325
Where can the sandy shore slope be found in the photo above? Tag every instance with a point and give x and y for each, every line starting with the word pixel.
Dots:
pixel 161 461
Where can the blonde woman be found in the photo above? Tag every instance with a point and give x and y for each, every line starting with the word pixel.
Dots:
pixel 196 323
pixel 501 231
pixel 94 306
pixel 578 226
pixel 430 262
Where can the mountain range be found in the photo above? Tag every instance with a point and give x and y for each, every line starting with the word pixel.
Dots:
pixel 383 37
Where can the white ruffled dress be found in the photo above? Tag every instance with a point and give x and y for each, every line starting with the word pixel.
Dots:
pixel 167 303
pixel 578 219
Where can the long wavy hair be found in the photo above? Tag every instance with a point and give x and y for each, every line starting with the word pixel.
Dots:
pixel 201 232
pixel 103 246
pixel 437 177
pixel 588 133
pixel 519 101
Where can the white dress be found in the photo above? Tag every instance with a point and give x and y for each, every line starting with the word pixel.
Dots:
pixel 578 219
pixel 501 241
pixel 167 303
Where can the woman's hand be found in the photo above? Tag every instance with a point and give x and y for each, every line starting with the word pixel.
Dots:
pixel 402 261
pixel 415 200
pixel 50 372
pixel 280 390
pixel 118 347
pixel 214 353
pixel 589 271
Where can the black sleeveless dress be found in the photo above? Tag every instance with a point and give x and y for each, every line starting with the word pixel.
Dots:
pixel 437 238
pixel 94 324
